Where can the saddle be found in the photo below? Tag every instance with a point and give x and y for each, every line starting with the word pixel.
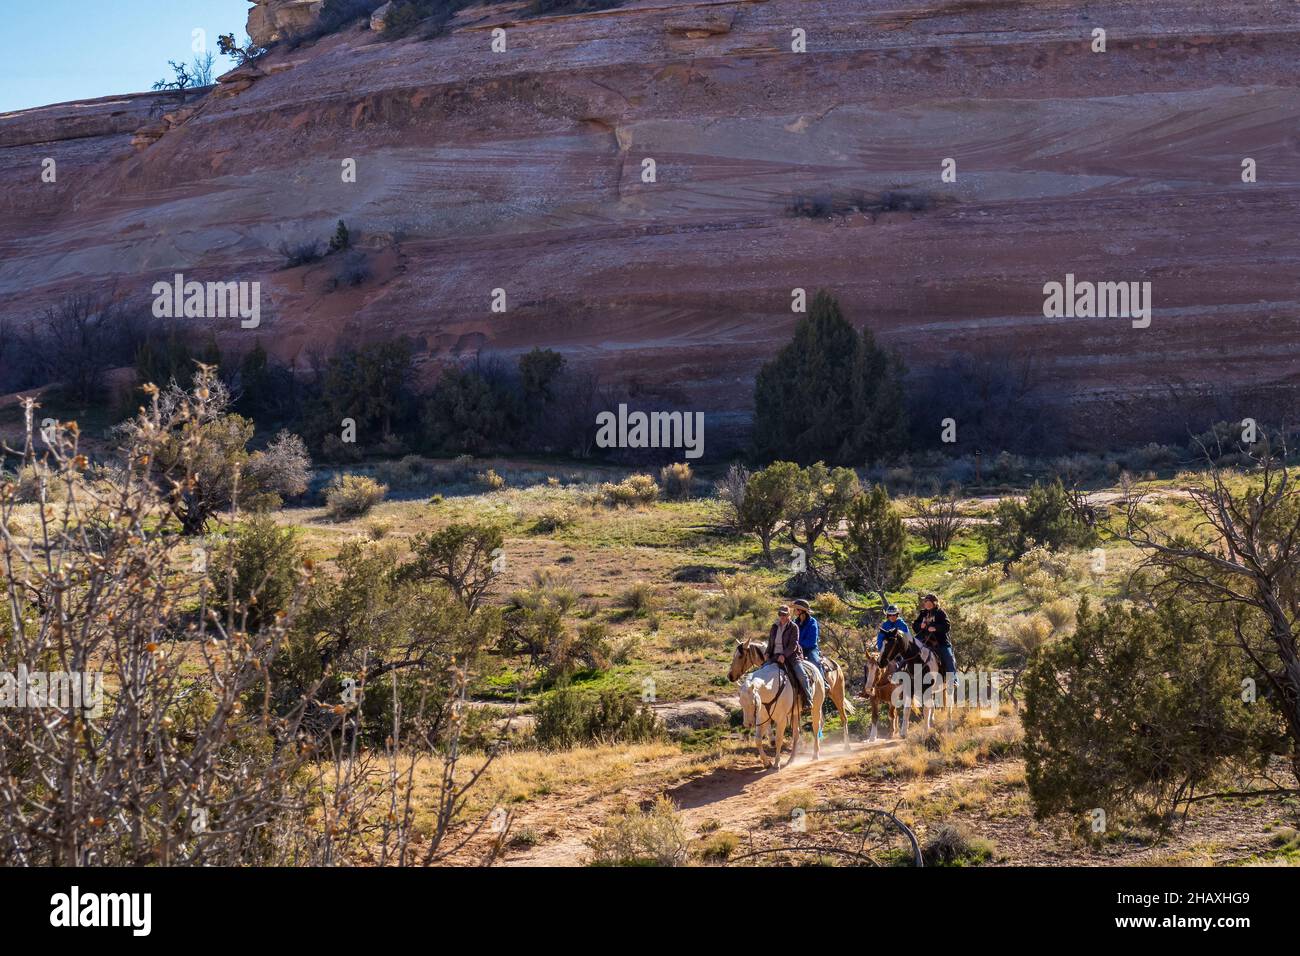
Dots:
pixel 810 671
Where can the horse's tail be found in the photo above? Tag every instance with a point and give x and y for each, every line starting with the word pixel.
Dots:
pixel 843 678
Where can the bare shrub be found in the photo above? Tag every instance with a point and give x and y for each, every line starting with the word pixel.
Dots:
pixel 281 471
pixel 731 490
pixel 937 519
pixel 301 252
pixel 194 754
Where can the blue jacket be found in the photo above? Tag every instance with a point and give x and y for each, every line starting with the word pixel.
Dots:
pixel 809 634
pixel 886 628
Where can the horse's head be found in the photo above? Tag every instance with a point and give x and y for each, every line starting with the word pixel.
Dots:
pixel 746 657
pixel 873 672
pixel 898 642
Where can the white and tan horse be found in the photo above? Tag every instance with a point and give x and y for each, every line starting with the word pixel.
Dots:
pixel 768 698
pixel 880 687
pixel 749 655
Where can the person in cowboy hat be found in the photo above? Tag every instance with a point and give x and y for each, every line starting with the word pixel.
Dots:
pixel 931 626
pixel 783 647
pixel 809 634
pixel 892 624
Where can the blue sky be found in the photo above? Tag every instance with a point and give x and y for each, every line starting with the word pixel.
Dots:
pixel 52 51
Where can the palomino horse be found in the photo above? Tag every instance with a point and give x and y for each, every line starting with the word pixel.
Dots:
pixel 879 687
pixel 753 654
pixel 768 698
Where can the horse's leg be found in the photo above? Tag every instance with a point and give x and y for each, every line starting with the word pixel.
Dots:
pixel 875 715
pixel 819 700
pixel 949 701
pixel 839 705
pixel 779 728
pixel 758 739
pixel 906 711
pixel 796 719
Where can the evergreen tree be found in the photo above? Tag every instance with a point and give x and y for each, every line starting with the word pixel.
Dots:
pixel 876 557
pixel 830 395
pixel 879 413
pixel 340 240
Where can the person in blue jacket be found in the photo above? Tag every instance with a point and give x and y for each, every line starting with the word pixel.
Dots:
pixel 809 634
pixel 892 624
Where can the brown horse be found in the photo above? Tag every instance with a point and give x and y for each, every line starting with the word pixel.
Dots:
pixel 879 687
pixel 752 654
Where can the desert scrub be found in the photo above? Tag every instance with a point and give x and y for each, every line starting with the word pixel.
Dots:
pixel 569 717
pixel 981 581
pixel 1061 613
pixel 634 837
pixel 694 639
pixel 632 490
pixel 741 596
pixel 953 845
pixel 409 473
pixel 639 599
pixel 676 480
pixel 351 496
pixel 36 482
pixel 553 518
pixel 718 846
pixel 491 480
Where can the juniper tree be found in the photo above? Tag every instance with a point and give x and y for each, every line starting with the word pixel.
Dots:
pixel 831 394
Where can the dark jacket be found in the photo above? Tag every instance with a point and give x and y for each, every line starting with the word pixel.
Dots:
pixel 921 627
pixel 783 640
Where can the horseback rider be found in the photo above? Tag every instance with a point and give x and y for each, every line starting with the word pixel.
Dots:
pixel 809 634
pixel 931 626
pixel 783 647
pixel 892 626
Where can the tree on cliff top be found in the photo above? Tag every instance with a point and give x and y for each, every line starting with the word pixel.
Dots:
pixel 831 394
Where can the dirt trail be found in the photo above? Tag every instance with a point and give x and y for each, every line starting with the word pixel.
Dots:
pixel 733 797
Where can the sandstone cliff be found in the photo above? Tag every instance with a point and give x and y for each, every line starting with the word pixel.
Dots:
pixel 523 171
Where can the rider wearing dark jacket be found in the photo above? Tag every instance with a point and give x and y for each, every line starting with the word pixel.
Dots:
pixel 931 626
